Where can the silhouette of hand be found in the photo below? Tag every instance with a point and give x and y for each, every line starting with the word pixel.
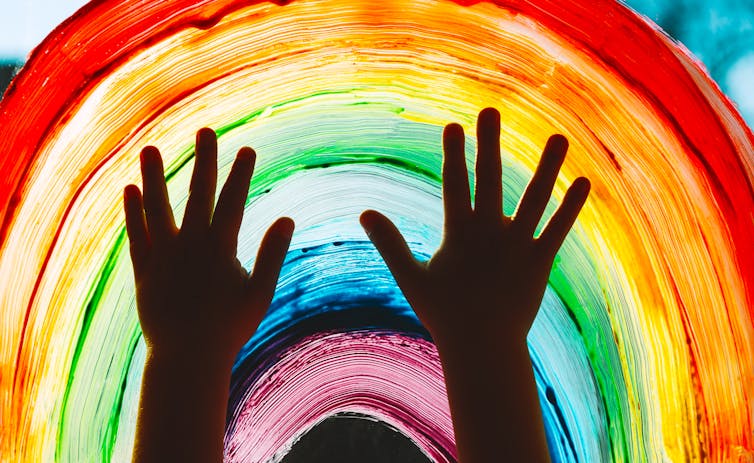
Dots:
pixel 489 273
pixel 192 293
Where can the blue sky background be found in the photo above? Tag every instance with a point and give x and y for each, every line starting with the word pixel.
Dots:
pixel 24 23
pixel 719 32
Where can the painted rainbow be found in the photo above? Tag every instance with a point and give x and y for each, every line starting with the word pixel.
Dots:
pixel 644 347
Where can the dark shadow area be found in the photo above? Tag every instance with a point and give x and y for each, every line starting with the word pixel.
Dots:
pixel 8 69
pixel 353 438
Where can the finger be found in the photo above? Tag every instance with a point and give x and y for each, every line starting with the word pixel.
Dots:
pixel 159 214
pixel 203 183
pixel 538 192
pixel 488 196
pixel 136 225
pixel 393 248
pixel 230 206
pixel 560 224
pixel 270 258
pixel 455 177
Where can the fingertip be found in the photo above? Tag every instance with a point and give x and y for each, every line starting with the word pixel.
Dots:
pixel 285 226
pixel 365 216
pixel 453 129
pixel 554 153
pixel 557 144
pixel 246 154
pixel 490 114
pixel 131 192
pixel 149 153
pixel 205 133
pixel 583 184
pixel 246 160
pixel 206 144
pixel 369 219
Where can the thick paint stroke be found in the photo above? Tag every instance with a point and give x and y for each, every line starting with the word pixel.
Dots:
pixel 644 348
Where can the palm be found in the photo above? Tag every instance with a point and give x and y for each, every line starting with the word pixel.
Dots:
pixel 189 292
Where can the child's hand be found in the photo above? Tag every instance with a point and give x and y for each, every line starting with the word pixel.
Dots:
pixel 478 295
pixel 489 273
pixel 193 295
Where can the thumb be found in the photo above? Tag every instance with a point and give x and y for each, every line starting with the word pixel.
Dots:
pixel 270 258
pixel 393 248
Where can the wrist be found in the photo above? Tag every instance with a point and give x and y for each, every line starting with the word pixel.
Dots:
pixel 478 344
pixel 188 361
pixel 480 335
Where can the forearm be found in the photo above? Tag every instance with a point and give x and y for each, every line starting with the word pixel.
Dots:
pixel 182 410
pixel 493 399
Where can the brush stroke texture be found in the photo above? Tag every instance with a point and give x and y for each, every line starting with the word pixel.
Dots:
pixel 644 348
